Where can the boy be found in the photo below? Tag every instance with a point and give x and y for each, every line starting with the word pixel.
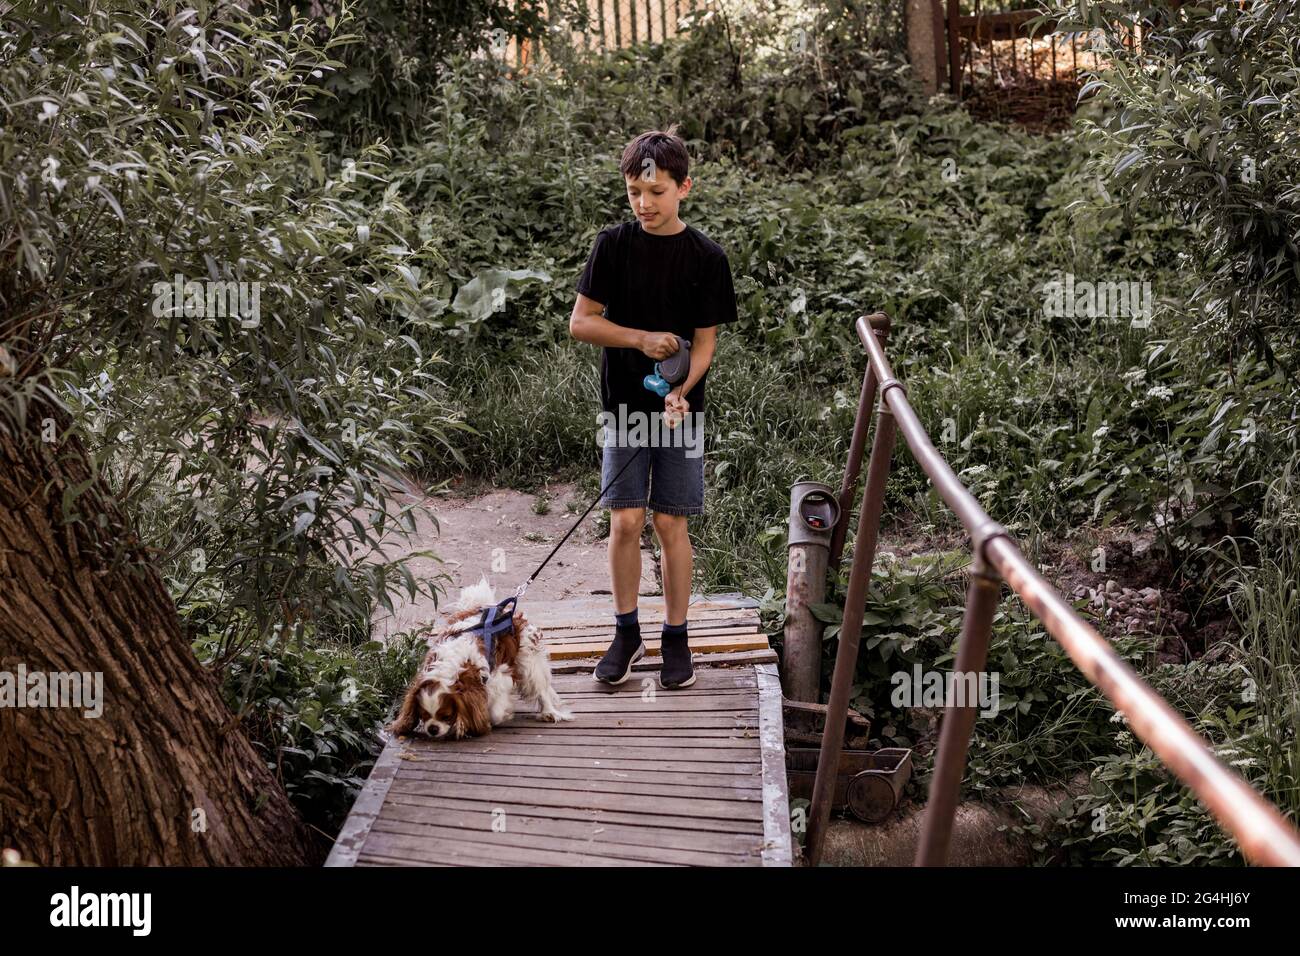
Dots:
pixel 654 278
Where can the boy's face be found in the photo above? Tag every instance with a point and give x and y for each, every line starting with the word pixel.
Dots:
pixel 654 196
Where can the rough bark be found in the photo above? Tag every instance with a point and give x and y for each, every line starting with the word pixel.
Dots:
pixel 123 788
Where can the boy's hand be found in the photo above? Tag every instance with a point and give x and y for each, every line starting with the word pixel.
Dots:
pixel 675 408
pixel 659 345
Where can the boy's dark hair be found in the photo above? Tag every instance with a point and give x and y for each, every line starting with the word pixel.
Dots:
pixel 664 148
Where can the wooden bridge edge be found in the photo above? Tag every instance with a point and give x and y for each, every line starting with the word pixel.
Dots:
pixel 367 806
pixel 777 847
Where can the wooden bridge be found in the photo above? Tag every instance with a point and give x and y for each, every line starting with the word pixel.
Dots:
pixel 643 777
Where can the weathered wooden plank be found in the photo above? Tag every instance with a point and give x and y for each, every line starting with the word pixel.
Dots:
pixel 718 660
pixel 634 697
pixel 743 844
pixel 644 722
pixel 367 806
pixel 375 859
pixel 703 645
pixel 605 620
pixel 569 731
pixel 628 706
pixel 680 736
pixel 705 677
pixel 612 751
pixel 646 603
pixel 606 630
pixel 700 638
pixel 602 817
pixel 645 850
pixel 568 639
pixel 632 694
pixel 584 799
pixel 729 682
pixel 718 788
pixel 710 740
pixel 596 691
pixel 530 781
pixel 438 850
pixel 530 771
pixel 697 639
pixel 777 848
pixel 600 626
pixel 532 759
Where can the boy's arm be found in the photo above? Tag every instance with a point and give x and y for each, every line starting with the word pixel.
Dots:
pixel 703 345
pixel 588 324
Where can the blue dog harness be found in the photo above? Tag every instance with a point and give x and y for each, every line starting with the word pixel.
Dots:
pixel 496 619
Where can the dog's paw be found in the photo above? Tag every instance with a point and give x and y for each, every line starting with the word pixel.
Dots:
pixel 557 715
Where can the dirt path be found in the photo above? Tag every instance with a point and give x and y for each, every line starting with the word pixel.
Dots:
pixel 470 529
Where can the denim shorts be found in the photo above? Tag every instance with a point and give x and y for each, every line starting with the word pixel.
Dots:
pixel 669 479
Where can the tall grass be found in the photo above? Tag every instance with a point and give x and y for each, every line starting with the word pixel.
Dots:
pixel 1266 605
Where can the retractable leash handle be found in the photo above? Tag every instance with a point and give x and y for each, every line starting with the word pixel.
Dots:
pixel 671 371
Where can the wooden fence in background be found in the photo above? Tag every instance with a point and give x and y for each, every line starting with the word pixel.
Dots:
pixel 616 24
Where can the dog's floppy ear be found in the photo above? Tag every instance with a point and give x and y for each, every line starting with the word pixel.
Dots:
pixel 404 723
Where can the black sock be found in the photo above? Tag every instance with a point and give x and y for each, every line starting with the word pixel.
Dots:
pixel 630 620
pixel 674 630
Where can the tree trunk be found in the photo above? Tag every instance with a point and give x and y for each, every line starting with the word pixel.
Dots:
pixel 163 776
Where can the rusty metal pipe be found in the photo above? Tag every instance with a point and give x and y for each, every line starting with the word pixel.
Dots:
pixel 1264 834
pixel 846 658
pixel 945 480
pixel 954 736
pixel 861 423
pixel 853 466
pixel 805 585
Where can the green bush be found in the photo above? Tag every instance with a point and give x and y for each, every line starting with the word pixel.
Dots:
pixel 1199 118
pixel 314 709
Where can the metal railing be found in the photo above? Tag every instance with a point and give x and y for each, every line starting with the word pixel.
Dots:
pixel 1263 833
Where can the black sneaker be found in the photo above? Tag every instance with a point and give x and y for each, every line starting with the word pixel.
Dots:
pixel 678 668
pixel 616 666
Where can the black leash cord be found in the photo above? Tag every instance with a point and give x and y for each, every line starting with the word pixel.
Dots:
pixel 523 587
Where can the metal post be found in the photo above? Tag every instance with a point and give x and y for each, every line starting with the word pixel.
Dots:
pixel 954 736
pixel 846 660
pixel 880 324
pixel 954 47
pixel 805 586
pixel 940 57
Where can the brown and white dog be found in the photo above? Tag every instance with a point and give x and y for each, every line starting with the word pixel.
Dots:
pixel 455 694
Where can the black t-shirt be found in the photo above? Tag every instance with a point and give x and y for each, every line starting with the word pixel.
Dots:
pixel 658 284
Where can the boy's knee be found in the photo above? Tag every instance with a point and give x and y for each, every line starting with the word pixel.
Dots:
pixel 669 525
pixel 625 522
